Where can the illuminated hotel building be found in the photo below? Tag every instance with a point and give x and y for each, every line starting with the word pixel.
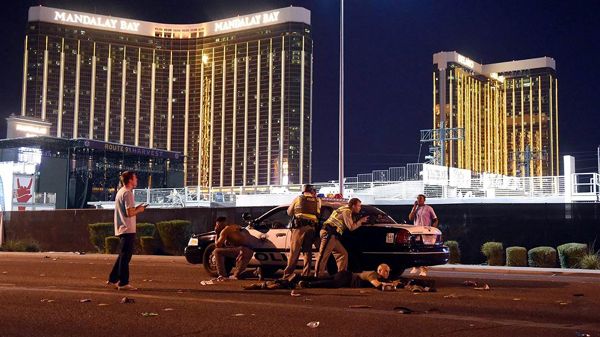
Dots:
pixel 233 95
pixel 508 113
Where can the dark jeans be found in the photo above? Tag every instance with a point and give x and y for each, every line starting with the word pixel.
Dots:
pixel 120 271
pixel 342 279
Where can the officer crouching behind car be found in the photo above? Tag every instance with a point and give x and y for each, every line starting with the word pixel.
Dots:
pixel 340 220
pixel 305 209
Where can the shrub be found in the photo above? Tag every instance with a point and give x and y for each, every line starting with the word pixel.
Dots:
pixel 516 257
pixel 454 252
pixel 570 254
pixel 111 245
pixel 143 229
pixel 174 235
pixel 590 260
pixel 20 246
pixel 98 232
pixel 494 252
pixel 148 245
pixel 543 257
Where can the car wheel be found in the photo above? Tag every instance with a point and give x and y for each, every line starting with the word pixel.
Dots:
pixel 268 271
pixel 332 268
pixel 210 261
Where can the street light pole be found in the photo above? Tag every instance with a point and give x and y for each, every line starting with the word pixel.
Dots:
pixel 341 103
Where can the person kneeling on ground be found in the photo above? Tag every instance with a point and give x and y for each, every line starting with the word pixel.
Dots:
pixel 345 279
pixel 233 242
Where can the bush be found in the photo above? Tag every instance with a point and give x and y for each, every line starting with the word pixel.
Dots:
pixel 494 253
pixel 20 246
pixel 143 229
pixel 543 257
pixel 148 245
pixel 98 232
pixel 174 235
pixel 111 245
pixel 454 252
pixel 590 260
pixel 516 257
pixel 570 254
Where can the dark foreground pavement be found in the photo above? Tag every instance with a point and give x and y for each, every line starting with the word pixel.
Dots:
pixel 40 296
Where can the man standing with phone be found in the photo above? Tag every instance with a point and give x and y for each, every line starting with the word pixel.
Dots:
pixel 422 215
pixel 125 229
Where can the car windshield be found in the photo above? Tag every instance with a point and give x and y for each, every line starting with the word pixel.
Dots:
pixel 376 216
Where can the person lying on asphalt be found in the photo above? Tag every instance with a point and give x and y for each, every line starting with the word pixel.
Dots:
pixel 379 279
pixel 233 242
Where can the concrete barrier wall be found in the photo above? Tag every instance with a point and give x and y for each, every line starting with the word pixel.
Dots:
pixel 67 230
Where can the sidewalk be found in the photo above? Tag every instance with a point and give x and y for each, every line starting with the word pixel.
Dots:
pixel 516 270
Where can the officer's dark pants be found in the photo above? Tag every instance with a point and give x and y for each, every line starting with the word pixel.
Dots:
pixel 301 241
pixel 120 271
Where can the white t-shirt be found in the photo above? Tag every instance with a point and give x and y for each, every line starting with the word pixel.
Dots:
pixel 123 201
pixel 424 216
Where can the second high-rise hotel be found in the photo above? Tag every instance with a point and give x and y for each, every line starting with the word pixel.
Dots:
pixel 233 95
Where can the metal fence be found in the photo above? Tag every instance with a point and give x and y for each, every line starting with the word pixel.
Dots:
pixel 396 184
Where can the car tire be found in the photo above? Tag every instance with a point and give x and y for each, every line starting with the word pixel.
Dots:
pixel 268 271
pixel 210 263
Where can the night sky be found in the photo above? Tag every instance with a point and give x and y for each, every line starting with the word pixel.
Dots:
pixel 389 47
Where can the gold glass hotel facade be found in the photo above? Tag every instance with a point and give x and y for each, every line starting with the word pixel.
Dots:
pixel 234 95
pixel 505 114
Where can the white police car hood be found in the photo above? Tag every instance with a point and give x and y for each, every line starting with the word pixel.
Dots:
pixel 412 229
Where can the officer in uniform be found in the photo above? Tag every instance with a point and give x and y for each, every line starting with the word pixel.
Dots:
pixel 305 210
pixel 340 220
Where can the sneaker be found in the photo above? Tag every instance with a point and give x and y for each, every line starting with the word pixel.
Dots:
pixel 233 278
pixel 112 284
pixel 127 287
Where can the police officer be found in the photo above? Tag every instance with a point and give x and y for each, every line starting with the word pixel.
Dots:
pixel 305 209
pixel 340 220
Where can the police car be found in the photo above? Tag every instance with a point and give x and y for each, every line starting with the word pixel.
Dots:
pixel 379 240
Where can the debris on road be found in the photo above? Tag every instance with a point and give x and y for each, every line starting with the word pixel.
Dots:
pixel 582 334
pixel 4 272
pixel 516 299
pixel 403 310
pixel 127 300
pixel 313 324
pixel 485 287
pixel 168 309
pixel 359 306
pixel 85 300
pixel 42 275
pixel 238 315
pixel 295 294
pixel 149 314
pixel 208 282
pixel 45 300
pixel 102 304
pixel 470 284
pixel 578 295
pixel 451 296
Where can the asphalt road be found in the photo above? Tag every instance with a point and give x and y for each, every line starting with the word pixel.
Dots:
pixel 40 295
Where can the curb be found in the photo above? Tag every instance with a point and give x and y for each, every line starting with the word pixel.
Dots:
pixel 516 270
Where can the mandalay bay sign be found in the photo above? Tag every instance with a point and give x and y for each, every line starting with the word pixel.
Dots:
pixel 247 21
pixel 97 21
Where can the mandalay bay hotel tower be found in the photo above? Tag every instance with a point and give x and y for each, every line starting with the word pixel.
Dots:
pixel 232 95
pixel 506 114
